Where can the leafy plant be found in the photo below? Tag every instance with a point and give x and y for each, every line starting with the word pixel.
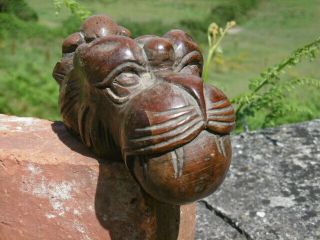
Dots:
pixel 267 93
pixel 76 9
pixel 215 36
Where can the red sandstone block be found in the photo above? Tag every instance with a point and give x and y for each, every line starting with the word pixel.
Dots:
pixel 52 187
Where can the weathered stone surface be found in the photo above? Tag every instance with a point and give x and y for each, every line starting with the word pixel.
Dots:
pixel 52 187
pixel 272 190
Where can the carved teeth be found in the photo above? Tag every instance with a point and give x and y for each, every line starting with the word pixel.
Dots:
pixel 220 145
pixel 174 160
pixel 221 142
pixel 217 144
pixel 177 158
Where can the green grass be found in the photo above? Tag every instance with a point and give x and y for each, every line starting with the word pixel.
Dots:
pixel 26 85
pixel 272 31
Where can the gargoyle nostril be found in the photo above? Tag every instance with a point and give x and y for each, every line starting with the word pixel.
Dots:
pixel 194 86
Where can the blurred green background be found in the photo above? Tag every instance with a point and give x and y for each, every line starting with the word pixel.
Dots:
pixel 31 34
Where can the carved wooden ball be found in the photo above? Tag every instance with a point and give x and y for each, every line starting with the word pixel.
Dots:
pixel 188 173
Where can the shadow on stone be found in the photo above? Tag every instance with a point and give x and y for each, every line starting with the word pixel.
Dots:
pixel 70 141
pixel 120 205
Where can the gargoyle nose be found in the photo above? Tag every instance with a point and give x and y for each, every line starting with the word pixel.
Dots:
pixel 193 85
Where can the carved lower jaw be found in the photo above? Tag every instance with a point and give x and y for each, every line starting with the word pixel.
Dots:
pixel 187 173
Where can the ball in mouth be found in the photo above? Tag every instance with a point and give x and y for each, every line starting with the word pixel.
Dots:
pixel 187 173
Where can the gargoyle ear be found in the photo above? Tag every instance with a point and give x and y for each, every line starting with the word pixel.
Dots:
pixel 62 68
pixel 65 65
pixel 72 42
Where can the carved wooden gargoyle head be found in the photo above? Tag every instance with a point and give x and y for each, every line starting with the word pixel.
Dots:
pixel 143 100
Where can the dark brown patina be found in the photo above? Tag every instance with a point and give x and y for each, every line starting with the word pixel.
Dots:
pixel 143 99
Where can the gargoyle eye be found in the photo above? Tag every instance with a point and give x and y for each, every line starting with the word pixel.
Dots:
pixel 190 64
pixel 123 86
pixel 127 79
pixel 193 69
pixel 124 71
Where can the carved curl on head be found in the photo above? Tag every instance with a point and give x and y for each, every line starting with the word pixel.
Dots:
pixel 143 99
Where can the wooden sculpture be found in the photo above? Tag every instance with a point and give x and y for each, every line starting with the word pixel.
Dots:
pixel 143 99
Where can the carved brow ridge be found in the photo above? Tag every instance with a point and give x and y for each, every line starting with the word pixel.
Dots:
pixel 132 65
pixel 188 58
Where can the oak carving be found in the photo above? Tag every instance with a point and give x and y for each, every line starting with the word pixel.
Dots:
pixel 143 101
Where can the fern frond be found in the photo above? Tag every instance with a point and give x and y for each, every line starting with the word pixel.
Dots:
pixel 299 82
pixel 271 75
pixel 269 94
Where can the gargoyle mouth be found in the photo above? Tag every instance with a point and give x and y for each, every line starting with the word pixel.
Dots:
pixel 185 110
pixel 181 142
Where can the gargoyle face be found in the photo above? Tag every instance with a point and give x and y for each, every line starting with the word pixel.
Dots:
pixel 143 99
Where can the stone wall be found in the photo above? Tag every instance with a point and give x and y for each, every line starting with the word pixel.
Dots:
pixel 53 188
pixel 272 190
